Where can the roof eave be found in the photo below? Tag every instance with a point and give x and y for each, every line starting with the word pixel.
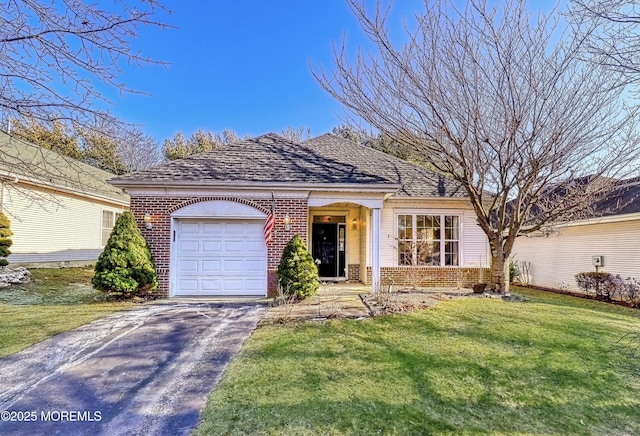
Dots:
pixel 7 177
pixel 290 186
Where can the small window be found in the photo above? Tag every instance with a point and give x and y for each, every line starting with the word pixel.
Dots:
pixel 435 241
pixel 108 221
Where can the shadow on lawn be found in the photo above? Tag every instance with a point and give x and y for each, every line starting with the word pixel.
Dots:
pixel 436 372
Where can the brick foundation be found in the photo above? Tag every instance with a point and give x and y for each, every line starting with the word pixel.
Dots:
pixel 431 277
pixel 159 237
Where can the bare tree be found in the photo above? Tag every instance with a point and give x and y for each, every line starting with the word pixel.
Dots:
pixel 116 148
pixel 613 33
pixel 57 55
pixel 138 151
pixel 500 101
pixel 296 135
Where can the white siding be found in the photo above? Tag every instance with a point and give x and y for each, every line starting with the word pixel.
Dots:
pixel 555 260
pixel 53 227
pixel 474 246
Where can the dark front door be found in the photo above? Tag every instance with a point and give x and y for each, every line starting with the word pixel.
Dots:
pixel 324 247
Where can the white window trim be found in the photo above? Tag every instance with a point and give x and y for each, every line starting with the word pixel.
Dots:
pixel 433 212
pixel 115 214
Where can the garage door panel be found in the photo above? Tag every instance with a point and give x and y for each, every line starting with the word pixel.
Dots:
pixel 255 227
pixel 218 257
pixel 188 265
pixel 211 284
pixel 234 285
pixel 232 247
pixel 255 266
pixel 215 229
pixel 233 266
pixel 234 229
pixel 188 286
pixel 211 247
pixel 186 228
pixel 211 266
pixel 187 246
pixel 254 246
pixel 254 286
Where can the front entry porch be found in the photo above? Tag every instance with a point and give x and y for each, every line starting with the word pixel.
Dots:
pixel 342 243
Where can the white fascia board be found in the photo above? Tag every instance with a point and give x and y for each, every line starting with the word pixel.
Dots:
pixel 255 186
pixel 446 202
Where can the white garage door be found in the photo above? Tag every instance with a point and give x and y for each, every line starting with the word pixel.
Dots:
pixel 220 257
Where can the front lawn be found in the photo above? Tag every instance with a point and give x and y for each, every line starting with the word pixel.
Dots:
pixel 550 365
pixel 56 301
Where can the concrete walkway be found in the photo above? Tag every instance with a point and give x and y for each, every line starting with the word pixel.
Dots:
pixel 146 371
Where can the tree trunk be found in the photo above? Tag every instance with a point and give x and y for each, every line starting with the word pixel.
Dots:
pixel 500 274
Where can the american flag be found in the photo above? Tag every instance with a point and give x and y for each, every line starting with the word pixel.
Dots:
pixel 268 227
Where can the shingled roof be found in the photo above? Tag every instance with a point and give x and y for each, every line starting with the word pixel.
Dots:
pixel 623 199
pixel 30 163
pixel 271 159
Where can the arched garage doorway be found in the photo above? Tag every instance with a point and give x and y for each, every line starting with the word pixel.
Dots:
pixel 218 249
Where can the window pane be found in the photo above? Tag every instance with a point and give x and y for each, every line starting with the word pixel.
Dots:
pixel 405 227
pixel 105 236
pixel 451 253
pixel 405 253
pixel 451 229
pixel 107 219
pixel 428 227
pixel 428 253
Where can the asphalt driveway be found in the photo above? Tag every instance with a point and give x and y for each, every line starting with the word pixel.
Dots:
pixel 146 371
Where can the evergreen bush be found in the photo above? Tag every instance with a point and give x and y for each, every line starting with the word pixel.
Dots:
pixel 297 272
pixel 125 267
pixel 5 242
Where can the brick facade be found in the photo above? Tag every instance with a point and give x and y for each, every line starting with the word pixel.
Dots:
pixel 159 237
pixel 430 276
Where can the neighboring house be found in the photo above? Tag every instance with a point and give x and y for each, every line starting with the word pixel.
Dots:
pixel 614 233
pixel 359 211
pixel 61 210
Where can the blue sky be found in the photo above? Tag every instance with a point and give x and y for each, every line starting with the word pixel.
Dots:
pixel 241 65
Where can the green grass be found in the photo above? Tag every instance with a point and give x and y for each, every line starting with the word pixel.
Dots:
pixel 550 365
pixel 57 300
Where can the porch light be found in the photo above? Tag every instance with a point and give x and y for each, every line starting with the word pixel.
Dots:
pixel 287 222
pixel 147 221
pixel 354 224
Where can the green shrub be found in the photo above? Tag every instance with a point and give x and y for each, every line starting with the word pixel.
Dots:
pixel 297 272
pixel 514 271
pixel 604 285
pixel 5 242
pixel 125 267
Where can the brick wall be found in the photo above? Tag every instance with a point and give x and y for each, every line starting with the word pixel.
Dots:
pixel 353 271
pixel 159 237
pixel 431 277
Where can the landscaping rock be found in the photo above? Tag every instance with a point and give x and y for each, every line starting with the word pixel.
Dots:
pixel 14 276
